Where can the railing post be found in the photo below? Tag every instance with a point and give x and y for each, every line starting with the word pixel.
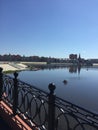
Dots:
pixel 51 107
pixel 1 82
pixel 15 94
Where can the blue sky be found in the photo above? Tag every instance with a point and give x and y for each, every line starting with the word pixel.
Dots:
pixel 53 28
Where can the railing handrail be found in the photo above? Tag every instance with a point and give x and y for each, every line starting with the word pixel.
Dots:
pixel 77 106
pixel 31 86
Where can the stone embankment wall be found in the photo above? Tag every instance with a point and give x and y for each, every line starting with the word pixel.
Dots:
pixel 11 66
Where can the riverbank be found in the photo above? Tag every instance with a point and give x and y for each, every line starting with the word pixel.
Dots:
pixel 18 66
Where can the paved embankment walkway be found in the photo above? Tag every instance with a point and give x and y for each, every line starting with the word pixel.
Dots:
pixel 4 125
pixel 14 122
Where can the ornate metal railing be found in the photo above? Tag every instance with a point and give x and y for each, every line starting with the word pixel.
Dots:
pixel 41 110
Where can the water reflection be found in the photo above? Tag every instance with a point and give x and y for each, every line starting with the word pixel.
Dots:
pixel 75 69
pixel 72 68
pixel 48 66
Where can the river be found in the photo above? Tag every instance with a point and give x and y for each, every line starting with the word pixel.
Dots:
pixel 80 88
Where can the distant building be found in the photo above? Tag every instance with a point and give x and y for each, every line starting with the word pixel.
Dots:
pixel 79 58
pixel 73 56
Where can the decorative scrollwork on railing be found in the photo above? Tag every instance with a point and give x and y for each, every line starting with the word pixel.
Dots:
pixel 72 117
pixel 33 103
pixel 8 87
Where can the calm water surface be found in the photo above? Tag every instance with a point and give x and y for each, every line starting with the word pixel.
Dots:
pixel 81 87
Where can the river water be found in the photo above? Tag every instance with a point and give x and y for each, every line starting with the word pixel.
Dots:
pixel 81 87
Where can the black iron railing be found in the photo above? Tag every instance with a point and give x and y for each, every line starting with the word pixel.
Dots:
pixel 44 111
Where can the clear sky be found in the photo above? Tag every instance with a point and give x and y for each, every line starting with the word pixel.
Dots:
pixel 53 28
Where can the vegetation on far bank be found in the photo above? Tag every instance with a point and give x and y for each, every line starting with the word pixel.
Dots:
pixel 46 60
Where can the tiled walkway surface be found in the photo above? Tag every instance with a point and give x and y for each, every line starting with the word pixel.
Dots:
pixel 15 122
